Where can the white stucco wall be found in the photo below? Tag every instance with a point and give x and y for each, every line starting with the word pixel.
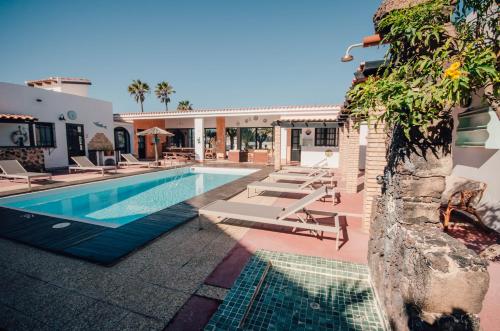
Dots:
pixel 481 164
pixel 130 129
pixel 19 99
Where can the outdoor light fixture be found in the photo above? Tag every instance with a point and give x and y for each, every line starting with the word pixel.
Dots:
pixel 348 57
pixel 38 100
pixel 368 41
pixel 62 118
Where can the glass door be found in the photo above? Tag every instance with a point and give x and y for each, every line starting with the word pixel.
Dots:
pixel 76 140
pixel 295 155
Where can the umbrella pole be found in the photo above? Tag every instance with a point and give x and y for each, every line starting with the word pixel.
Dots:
pixel 156 148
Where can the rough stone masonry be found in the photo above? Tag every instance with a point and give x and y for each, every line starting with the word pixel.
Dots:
pixel 425 279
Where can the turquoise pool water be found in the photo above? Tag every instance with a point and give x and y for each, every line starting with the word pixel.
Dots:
pixel 116 202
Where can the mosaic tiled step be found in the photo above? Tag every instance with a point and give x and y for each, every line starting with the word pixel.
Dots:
pixel 299 293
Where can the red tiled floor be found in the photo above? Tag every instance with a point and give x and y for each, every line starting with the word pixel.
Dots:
pixel 353 242
pixel 194 315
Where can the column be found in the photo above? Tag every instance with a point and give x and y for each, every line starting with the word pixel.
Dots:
pixel 220 142
pixel 375 164
pixel 199 139
pixel 349 157
pixel 277 147
pixel 284 146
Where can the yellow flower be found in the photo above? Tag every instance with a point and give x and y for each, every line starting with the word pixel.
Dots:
pixel 452 71
pixel 454 66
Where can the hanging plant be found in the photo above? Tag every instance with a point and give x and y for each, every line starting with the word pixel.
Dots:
pixel 437 58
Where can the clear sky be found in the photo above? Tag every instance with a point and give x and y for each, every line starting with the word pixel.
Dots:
pixel 216 53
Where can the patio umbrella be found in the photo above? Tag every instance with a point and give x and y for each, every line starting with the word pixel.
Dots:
pixel 155 131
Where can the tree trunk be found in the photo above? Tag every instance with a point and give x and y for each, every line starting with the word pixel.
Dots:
pixel 142 108
pixel 166 105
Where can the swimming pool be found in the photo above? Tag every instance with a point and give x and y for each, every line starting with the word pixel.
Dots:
pixel 115 202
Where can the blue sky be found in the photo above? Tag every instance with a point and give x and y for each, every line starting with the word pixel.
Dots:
pixel 231 53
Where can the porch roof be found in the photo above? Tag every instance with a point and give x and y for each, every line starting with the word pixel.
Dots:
pixel 327 110
pixel 308 121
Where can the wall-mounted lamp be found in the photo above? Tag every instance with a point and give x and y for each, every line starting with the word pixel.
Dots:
pixel 62 118
pixel 348 57
pixel 368 41
pixel 38 100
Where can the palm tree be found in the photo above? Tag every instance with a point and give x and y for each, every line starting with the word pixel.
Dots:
pixel 184 105
pixel 163 92
pixel 138 90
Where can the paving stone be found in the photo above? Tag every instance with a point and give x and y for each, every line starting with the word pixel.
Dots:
pixel 148 299
pixel 212 292
pixel 53 305
pixel 100 316
pixel 95 284
pixel 137 322
pixel 11 319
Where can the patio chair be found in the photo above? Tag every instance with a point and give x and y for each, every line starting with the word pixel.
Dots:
pixel 174 158
pixel 13 169
pixel 466 200
pixel 276 215
pixel 318 165
pixel 132 160
pixel 84 164
pixel 305 187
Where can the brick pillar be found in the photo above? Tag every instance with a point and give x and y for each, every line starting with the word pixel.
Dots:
pixel 375 163
pixel 277 147
pixel 220 142
pixel 342 147
pixel 349 156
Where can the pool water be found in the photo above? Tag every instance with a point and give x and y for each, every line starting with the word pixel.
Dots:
pixel 116 202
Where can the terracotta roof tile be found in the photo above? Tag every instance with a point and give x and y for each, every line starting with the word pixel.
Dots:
pixel 20 117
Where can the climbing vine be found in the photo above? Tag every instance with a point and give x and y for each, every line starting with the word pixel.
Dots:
pixel 439 55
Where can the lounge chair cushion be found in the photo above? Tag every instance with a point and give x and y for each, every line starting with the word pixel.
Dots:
pixel 230 209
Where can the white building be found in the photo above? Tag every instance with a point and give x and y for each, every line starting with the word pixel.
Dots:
pixel 56 117
pixel 309 134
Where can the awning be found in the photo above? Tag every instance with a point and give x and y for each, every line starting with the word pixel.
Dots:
pixel 308 121
pixel 17 117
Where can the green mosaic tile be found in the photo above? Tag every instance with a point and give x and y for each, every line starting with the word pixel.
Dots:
pixel 300 293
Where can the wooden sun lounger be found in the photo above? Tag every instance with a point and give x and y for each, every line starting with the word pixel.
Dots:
pixel 84 164
pixel 14 170
pixel 275 215
pixel 131 160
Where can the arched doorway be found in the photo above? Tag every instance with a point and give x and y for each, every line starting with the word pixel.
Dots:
pixel 122 140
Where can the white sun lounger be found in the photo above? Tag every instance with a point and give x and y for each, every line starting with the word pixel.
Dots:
pixel 13 169
pixel 305 187
pixel 84 164
pixel 296 176
pixel 131 160
pixel 275 215
pixel 318 165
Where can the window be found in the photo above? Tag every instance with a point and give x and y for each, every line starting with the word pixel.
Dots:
pixel 326 137
pixel 44 135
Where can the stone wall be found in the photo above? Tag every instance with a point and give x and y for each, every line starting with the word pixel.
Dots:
pixel 425 279
pixel 31 158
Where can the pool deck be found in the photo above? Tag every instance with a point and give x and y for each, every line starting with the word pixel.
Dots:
pixel 175 282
